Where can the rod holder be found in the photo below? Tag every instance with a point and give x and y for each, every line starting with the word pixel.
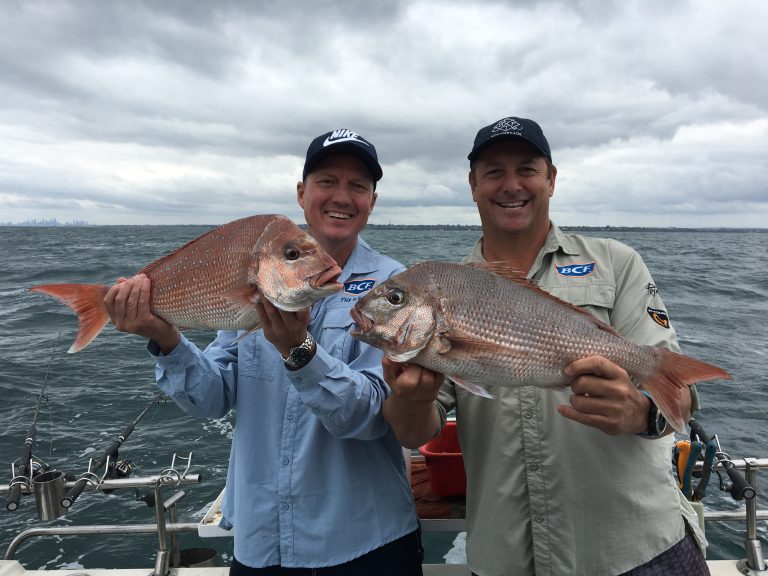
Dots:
pixel 49 491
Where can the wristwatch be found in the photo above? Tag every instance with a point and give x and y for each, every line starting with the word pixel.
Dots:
pixel 657 424
pixel 300 356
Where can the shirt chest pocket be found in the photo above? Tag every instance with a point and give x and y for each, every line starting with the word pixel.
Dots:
pixel 335 337
pixel 257 358
pixel 598 299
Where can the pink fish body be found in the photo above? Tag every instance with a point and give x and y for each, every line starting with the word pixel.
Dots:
pixel 484 324
pixel 213 281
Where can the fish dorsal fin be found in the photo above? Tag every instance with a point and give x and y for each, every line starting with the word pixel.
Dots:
pixel 503 269
pixel 233 247
pixel 507 272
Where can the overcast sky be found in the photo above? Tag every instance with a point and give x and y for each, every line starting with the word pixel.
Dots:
pixel 201 112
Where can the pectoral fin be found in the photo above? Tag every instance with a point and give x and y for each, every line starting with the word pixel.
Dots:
pixel 469 345
pixel 241 300
pixel 471 387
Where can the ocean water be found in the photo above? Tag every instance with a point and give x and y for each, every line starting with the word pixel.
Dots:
pixel 714 283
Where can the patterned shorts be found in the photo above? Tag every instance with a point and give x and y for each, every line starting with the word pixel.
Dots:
pixel 683 559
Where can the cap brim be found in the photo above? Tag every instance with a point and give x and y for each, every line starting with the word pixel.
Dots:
pixel 501 138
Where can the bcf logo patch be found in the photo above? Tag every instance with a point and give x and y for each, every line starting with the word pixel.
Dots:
pixel 359 286
pixel 576 270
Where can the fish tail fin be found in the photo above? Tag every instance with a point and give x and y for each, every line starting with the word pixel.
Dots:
pixel 675 372
pixel 87 300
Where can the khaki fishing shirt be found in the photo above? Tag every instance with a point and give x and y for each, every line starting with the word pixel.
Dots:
pixel 550 496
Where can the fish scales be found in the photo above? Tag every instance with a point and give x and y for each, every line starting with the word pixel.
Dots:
pixel 191 282
pixel 530 342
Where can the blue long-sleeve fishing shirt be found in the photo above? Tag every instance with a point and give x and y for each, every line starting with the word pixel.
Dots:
pixel 316 477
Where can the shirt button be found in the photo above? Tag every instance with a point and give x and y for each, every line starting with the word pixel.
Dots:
pixel 290 417
pixel 533 467
pixel 285 461
pixel 539 518
pixel 528 414
pixel 283 506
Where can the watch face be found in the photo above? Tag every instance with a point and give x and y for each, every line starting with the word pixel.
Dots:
pixel 300 356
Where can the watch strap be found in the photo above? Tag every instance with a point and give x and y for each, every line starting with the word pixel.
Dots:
pixel 657 423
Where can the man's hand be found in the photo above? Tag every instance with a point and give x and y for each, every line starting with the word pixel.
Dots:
pixel 285 330
pixel 410 409
pixel 411 382
pixel 605 398
pixel 127 303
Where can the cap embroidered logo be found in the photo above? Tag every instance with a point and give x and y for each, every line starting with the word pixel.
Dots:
pixel 343 136
pixel 507 125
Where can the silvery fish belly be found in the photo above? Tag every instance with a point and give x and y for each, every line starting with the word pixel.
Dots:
pixel 215 280
pixel 486 325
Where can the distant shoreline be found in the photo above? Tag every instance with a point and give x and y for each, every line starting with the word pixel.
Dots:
pixel 455 227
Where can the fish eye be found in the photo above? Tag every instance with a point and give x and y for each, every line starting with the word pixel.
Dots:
pixel 395 296
pixel 291 253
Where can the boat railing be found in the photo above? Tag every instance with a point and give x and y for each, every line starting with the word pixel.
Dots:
pixel 746 490
pixel 49 489
pixel 169 556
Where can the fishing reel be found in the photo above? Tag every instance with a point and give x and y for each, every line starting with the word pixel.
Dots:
pixel 705 448
pixel 119 469
pixel 35 466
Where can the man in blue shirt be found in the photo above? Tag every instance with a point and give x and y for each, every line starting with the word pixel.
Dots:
pixel 316 477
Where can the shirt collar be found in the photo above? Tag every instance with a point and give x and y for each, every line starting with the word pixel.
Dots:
pixel 556 240
pixel 361 261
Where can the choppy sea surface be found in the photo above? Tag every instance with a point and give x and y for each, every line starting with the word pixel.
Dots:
pixel 714 284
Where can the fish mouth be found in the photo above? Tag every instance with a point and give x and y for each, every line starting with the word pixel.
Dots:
pixel 364 323
pixel 327 279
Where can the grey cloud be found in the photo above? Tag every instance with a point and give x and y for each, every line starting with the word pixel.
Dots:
pixel 233 87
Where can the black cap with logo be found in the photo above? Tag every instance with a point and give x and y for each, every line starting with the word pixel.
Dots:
pixel 343 141
pixel 511 128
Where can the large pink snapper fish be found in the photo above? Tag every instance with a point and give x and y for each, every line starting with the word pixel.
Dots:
pixel 485 324
pixel 213 281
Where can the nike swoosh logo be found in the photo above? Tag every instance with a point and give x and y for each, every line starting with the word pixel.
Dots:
pixel 328 141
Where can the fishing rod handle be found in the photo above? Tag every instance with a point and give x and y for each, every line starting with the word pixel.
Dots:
pixel 14 494
pixel 74 492
pixel 697 429
pixel 740 488
pixel 23 474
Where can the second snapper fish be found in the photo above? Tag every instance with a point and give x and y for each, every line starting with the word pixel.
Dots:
pixel 485 324
pixel 213 281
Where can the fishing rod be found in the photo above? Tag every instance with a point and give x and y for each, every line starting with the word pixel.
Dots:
pixel 25 466
pixel 110 452
pixel 706 447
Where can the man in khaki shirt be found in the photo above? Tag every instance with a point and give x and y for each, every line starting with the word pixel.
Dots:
pixel 567 481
